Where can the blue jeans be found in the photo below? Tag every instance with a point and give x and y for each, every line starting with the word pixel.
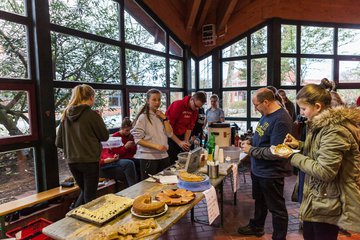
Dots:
pixel 127 167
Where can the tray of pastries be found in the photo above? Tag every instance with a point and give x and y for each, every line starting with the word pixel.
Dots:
pixel 102 209
pixel 136 229
pixel 174 197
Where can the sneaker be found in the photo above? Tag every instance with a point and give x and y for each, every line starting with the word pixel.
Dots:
pixel 250 230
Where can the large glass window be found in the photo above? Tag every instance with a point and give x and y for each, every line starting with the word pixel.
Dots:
pixel 13 6
pixel 234 73
pixel 81 60
pixel 176 73
pixel 193 74
pixel 17 173
pixel 259 72
pixel 144 69
pixel 141 30
pixel 315 69
pixel 176 96
pixel 13 50
pixel 259 41
pixel 349 96
pixel 288 39
pixel 14 114
pixel 317 40
pixel 348 41
pixel 174 48
pixel 237 49
pixel 288 71
pixel 93 16
pixel 234 103
pixel 349 71
pixel 205 73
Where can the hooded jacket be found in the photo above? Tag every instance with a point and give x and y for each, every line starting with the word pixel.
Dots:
pixel 332 167
pixel 80 134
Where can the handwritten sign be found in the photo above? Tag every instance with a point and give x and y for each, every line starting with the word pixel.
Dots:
pixel 212 204
pixel 235 176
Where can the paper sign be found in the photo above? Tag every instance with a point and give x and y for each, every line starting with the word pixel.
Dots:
pixel 235 176
pixel 172 179
pixel 212 204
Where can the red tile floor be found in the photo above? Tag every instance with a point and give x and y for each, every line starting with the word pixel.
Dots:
pixel 237 215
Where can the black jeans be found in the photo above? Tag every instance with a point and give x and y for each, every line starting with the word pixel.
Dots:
pixel 174 149
pixel 86 176
pixel 320 231
pixel 152 166
pixel 269 195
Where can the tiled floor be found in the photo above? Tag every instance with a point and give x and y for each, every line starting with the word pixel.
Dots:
pixel 235 216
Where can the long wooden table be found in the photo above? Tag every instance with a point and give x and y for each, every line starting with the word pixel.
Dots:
pixel 71 228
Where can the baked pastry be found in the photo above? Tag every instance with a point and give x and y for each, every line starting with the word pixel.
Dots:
pixel 189 177
pixel 102 209
pixel 143 205
pixel 282 149
pixel 174 197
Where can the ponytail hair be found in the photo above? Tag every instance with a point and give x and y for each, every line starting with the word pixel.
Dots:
pixel 146 109
pixel 79 94
pixel 313 93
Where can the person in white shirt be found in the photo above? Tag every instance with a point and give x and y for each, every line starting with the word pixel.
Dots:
pixel 151 132
pixel 214 114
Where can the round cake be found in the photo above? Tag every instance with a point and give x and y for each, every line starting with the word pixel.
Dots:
pixel 143 205
pixel 195 186
pixel 173 197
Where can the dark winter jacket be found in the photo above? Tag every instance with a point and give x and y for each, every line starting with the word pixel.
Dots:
pixel 80 134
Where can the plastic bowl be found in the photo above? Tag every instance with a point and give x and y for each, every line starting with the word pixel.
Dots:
pixel 182 157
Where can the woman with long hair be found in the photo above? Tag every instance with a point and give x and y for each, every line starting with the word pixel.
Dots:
pixel 79 135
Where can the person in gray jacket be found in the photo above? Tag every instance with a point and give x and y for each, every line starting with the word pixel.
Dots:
pixel 330 159
pixel 79 135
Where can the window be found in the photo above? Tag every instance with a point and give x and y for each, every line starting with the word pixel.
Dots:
pixel 349 96
pixel 176 73
pixel 205 73
pixel 237 49
pixel 13 6
pixel 141 30
pixel 17 171
pixel 176 96
pixel 234 103
pixel 288 39
pixel 13 50
pixel 234 73
pixel 259 41
pixel 348 41
pixel 317 40
pixel 288 71
pixel 349 71
pixel 315 69
pixel 259 72
pixel 92 16
pixel 81 60
pixel 193 74
pixel 175 49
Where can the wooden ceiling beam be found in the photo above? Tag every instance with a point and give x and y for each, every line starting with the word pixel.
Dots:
pixel 227 9
pixel 204 14
pixel 193 8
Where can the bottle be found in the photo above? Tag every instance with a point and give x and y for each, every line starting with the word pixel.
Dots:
pixel 211 146
pixel 237 140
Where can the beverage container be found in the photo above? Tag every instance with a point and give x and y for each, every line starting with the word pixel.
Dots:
pixel 211 146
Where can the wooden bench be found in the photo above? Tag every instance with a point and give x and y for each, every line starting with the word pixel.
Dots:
pixel 29 201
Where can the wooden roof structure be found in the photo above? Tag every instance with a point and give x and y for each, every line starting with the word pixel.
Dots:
pixel 231 18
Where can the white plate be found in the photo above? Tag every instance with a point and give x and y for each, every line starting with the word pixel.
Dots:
pixel 149 216
pixel 272 149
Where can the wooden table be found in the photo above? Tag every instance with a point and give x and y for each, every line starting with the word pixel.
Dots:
pixel 71 228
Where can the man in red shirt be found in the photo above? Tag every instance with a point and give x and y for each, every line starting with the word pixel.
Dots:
pixel 182 115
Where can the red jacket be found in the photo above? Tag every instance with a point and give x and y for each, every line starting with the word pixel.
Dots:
pixel 181 116
pixel 121 151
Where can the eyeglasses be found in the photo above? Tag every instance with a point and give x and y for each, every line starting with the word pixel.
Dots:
pixel 256 105
pixel 196 106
